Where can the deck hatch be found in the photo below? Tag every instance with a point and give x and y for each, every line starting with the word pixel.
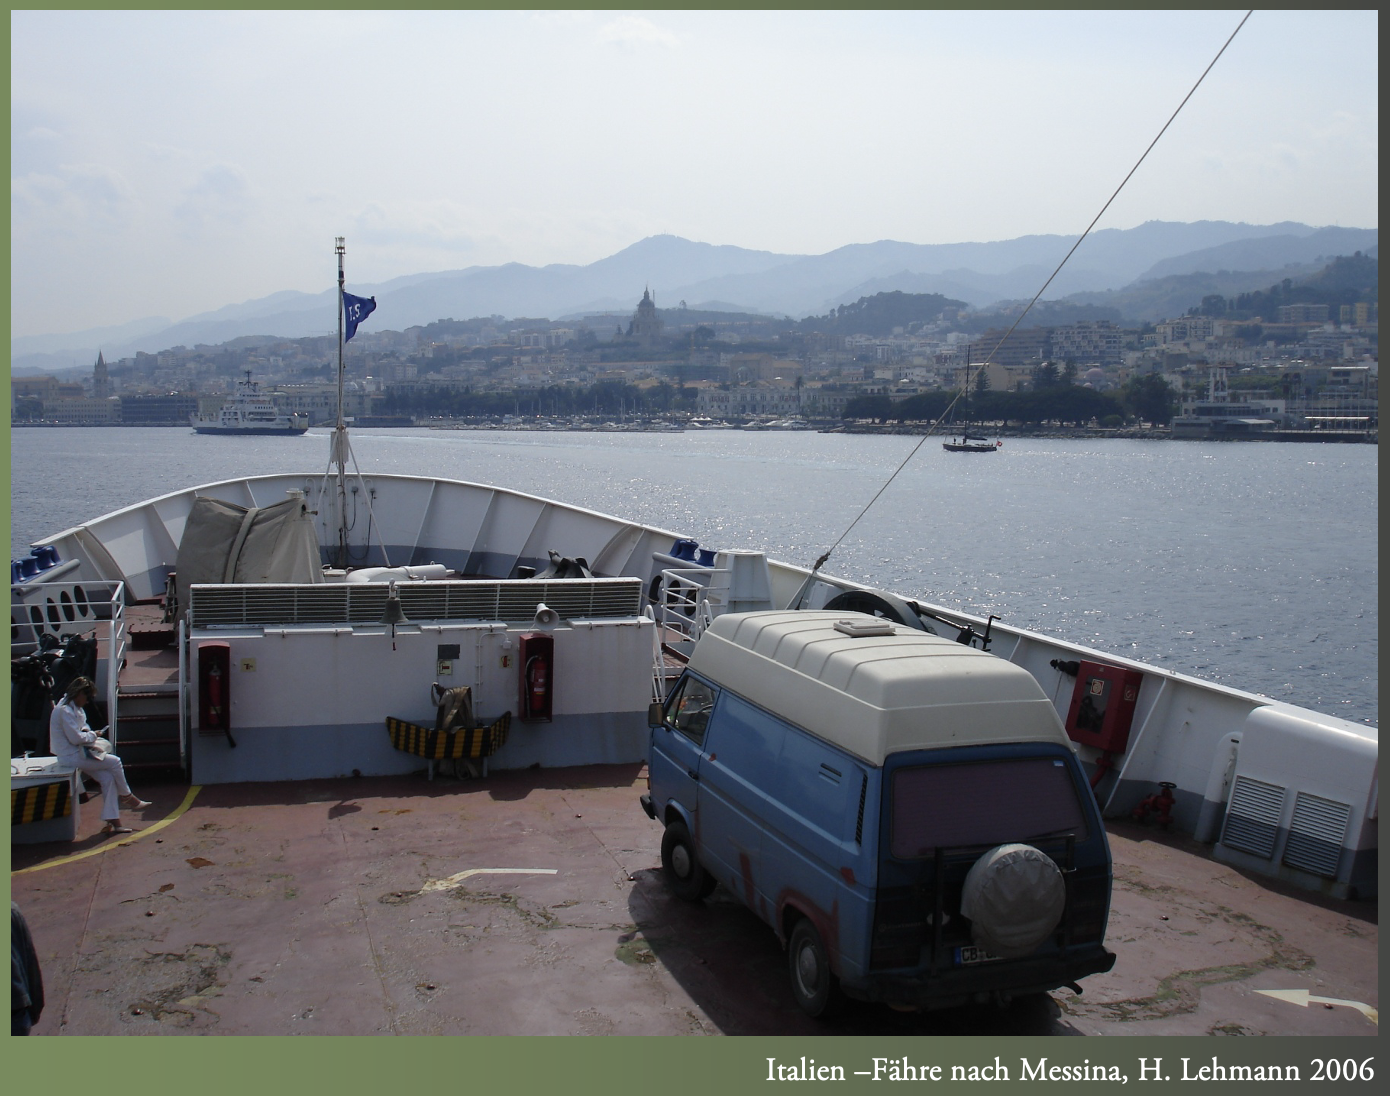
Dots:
pixel 237 604
pixel 1252 821
pixel 1316 834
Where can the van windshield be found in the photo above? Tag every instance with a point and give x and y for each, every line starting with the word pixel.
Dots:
pixel 982 803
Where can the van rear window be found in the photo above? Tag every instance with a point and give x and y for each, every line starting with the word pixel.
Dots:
pixel 982 803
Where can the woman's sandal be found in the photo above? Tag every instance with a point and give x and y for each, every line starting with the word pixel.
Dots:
pixel 113 828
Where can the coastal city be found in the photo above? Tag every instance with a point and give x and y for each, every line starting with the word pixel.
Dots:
pixel 1306 369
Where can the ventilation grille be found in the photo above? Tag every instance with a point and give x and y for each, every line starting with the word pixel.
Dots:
pixel 859 823
pixel 364 603
pixel 1316 834
pixel 1252 821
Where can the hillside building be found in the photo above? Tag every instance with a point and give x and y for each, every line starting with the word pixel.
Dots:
pixel 646 326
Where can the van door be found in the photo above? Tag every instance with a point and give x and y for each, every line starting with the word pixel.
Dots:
pixel 677 750
pixel 738 783
pixel 943 812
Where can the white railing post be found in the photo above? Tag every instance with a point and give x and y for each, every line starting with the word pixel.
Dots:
pixel 658 658
pixel 115 655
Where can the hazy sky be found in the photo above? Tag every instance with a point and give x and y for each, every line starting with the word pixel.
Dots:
pixel 167 163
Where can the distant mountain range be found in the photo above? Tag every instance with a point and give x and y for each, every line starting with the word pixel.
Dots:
pixel 1112 267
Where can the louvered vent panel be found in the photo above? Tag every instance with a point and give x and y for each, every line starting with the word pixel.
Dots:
pixel 473 601
pixel 428 602
pixel 519 603
pixel 859 823
pixel 364 603
pixel 318 603
pixel 1252 819
pixel 569 603
pixel 1316 834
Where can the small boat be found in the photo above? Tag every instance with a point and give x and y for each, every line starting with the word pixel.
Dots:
pixel 970 443
pixel 249 411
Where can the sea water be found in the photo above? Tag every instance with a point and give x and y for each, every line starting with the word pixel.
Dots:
pixel 1250 564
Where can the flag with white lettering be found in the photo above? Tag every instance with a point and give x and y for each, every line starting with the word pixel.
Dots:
pixel 355 310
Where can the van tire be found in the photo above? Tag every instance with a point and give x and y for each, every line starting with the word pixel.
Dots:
pixel 1014 897
pixel 684 873
pixel 816 989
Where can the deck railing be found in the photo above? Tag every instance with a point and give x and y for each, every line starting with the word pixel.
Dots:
pixel 59 609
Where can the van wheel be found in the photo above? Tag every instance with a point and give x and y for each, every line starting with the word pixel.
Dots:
pixel 816 989
pixel 683 872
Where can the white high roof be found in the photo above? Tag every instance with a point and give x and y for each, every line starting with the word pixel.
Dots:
pixel 874 695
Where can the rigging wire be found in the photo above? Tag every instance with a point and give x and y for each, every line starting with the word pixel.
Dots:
pixel 959 395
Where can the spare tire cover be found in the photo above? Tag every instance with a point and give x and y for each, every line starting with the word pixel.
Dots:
pixel 1014 897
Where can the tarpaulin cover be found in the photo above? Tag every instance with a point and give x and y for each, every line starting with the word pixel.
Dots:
pixel 1014 897
pixel 224 542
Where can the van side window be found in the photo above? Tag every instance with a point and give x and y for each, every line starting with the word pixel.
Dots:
pixel 689 710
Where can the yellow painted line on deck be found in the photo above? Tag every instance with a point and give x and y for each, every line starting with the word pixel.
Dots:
pixel 455 880
pixel 1305 998
pixel 126 838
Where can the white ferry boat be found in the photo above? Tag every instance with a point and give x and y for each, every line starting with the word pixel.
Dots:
pixel 327 618
pixel 250 411
pixel 312 623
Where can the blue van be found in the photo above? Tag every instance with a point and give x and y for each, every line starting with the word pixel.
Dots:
pixel 906 812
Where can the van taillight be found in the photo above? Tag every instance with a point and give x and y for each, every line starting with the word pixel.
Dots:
pixel 1086 913
pixel 898 931
pixel 895 946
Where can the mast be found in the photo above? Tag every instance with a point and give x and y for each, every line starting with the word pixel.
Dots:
pixel 965 395
pixel 340 442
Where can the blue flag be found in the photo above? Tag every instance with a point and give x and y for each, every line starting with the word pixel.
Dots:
pixel 355 310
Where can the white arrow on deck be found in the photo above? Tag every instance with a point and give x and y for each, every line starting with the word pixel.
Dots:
pixel 1304 998
pixel 455 880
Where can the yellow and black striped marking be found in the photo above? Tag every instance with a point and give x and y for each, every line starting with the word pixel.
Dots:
pixel 426 742
pixel 40 802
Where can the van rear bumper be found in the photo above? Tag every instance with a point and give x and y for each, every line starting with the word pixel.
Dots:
pixel 981 981
pixel 648 806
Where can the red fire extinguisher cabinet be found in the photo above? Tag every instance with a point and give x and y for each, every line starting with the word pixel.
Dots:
pixel 537 661
pixel 1102 706
pixel 214 687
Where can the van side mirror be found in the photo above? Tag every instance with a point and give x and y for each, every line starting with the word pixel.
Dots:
pixel 656 714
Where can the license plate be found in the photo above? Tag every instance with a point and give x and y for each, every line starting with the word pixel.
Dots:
pixel 965 956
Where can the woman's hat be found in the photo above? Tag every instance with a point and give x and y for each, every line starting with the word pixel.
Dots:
pixel 80 685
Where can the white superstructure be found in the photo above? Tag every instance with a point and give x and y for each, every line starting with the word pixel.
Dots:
pixel 250 411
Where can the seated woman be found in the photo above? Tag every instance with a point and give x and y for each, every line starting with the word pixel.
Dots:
pixel 69 737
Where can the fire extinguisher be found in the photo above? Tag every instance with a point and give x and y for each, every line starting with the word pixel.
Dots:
pixel 215 712
pixel 537 663
pixel 536 685
pixel 215 690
